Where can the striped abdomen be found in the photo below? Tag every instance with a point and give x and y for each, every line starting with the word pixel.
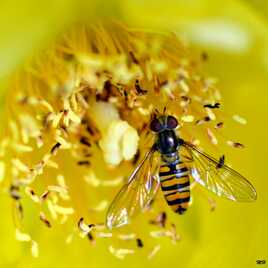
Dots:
pixel 175 184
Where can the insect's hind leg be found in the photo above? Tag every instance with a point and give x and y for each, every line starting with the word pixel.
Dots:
pixel 211 201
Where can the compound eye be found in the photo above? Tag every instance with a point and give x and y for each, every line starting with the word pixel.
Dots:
pixel 171 122
pixel 155 125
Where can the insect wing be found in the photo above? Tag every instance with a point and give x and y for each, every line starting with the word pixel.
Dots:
pixel 135 195
pixel 218 177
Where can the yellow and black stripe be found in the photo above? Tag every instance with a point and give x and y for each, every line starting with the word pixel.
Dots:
pixel 175 184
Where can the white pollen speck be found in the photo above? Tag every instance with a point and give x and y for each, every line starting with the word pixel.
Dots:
pixel 35 249
pixel 2 171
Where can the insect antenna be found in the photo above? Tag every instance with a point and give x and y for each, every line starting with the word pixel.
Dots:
pixel 154 114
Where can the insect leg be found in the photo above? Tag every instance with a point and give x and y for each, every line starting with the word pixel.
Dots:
pixel 211 201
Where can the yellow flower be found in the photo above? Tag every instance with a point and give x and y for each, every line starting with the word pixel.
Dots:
pixel 84 104
pixel 74 120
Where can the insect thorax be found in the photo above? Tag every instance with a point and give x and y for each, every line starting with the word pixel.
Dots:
pixel 167 144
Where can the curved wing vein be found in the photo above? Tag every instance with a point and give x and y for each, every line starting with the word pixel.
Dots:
pixel 219 178
pixel 137 193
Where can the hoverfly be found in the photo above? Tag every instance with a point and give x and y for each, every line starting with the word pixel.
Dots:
pixel 170 162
